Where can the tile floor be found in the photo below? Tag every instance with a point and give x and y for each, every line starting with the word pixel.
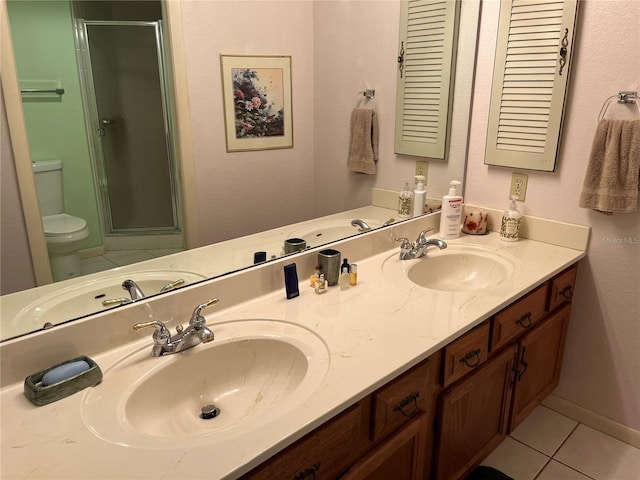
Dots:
pixel 120 258
pixel 550 446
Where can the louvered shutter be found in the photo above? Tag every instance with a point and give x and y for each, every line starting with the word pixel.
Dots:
pixel 530 80
pixel 428 35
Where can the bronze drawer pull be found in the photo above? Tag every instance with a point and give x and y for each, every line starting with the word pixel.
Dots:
pixel 309 471
pixel 411 398
pixel 524 364
pixel 567 292
pixel 473 353
pixel 525 320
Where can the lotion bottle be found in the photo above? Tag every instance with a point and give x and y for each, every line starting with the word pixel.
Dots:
pixel 510 226
pixel 419 196
pixel 404 201
pixel 451 212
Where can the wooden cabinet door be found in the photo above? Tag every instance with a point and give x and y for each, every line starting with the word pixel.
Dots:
pixel 473 417
pixel 399 457
pixel 321 455
pixel 538 366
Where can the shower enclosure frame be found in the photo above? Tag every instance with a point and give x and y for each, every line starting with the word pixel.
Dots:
pixel 94 128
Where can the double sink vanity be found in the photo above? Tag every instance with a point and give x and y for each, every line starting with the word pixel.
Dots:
pixel 351 383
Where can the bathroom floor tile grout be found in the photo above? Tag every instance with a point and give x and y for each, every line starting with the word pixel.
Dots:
pixel 550 458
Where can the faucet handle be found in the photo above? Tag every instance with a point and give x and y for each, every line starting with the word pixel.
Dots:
pixel 423 234
pixel 162 333
pixel 115 301
pixel 406 244
pixel 196 316
pixel 172 285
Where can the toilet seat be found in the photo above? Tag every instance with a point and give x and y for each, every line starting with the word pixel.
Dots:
pixel 63 226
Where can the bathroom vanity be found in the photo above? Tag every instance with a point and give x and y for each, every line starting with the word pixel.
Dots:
pixel 368 371
pixel 462 400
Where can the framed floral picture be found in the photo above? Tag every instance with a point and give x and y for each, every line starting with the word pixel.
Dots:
pixel 257 102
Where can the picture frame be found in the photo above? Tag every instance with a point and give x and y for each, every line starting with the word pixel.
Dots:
pixel 257 102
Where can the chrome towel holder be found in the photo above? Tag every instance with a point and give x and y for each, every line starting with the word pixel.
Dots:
pixel 624 97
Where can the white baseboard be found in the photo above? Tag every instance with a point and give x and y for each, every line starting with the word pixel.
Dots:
pixel 593 420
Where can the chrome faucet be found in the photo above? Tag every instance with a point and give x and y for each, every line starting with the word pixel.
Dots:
pixel 418 249
pixel 197 332
pixel 360 223
pixel 135 292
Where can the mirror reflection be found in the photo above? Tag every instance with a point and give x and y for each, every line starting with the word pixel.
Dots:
pixel 220 199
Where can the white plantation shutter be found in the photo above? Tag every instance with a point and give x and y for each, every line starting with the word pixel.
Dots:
pixel 530 81
pixel 428 35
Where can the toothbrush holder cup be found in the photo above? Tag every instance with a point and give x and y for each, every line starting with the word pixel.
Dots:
pixel 329 260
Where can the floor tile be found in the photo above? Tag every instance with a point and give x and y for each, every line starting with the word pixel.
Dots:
pixel 600 456
pixel 114 254
pixel 138 256
pixel 516 460
pixel 161 252
pixel 557 471
pixel 95 267
pixel 544 430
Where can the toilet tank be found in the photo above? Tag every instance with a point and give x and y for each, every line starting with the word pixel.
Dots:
pixel 48 175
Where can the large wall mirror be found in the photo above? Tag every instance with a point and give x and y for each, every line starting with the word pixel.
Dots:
pixel 338 48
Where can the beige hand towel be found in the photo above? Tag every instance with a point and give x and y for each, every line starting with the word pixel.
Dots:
pixel 612 178
pixel 363 145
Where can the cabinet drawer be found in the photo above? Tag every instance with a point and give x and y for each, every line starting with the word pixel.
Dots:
pixel 466 353
pixel 519 317
pixel 402 398
pixel 562 287
pixel 324 453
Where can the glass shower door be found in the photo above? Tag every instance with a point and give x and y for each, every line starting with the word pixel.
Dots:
pixel 131 128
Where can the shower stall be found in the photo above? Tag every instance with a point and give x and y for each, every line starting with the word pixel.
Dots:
pixel 126 96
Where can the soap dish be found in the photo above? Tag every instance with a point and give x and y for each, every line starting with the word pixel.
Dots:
pixel 40 395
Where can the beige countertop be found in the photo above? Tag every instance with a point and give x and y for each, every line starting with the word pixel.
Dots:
pixel 373 332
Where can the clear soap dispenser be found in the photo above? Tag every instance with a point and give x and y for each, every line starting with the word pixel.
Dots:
pixel 405 201
pixel 510 226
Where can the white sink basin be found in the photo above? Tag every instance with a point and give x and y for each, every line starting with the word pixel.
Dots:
pixel 255 371
pixel 86 297
pixel 330 231
pixel 458 268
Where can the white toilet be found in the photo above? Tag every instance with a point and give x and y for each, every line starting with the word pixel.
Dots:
pixel 64 233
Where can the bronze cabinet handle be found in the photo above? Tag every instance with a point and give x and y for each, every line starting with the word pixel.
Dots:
pixel 524 364
pixel 567 292
pixel 469 356
pixel 525 320
pixel 401 59
pixel 412 398
pixel 311 471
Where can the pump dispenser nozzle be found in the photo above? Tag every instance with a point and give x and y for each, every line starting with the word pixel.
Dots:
pixel 453 187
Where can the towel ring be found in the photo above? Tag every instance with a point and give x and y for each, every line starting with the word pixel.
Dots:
pixel 622 97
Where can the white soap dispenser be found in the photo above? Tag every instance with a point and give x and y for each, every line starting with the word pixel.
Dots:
pixel 404 201
pixel 511 219
pixel 451 212
pixel 419 196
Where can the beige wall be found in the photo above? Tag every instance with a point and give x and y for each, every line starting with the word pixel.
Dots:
pixel 601 361
pixel 338 48
pixel 268 188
